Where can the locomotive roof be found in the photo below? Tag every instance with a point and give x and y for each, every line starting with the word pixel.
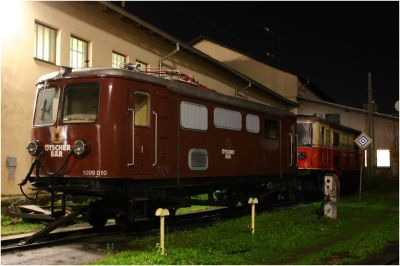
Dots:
pixel 175 86
pixel 334 125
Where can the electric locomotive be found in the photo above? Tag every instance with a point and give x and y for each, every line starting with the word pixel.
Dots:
pixel 325 147
pixel 139 141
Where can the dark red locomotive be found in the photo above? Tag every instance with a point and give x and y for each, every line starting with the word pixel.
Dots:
pixel 139 141
pixel 326 147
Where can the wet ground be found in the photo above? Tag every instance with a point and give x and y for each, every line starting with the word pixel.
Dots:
pixel 85 252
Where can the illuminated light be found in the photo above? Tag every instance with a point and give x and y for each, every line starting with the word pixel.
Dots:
pixel 10 18
pixel 383 158
pixel 34 148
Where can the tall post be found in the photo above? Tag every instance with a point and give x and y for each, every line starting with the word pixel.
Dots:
pixel 371 148
pixel 253 203
pixel 162 213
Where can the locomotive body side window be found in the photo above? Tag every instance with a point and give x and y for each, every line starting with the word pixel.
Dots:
pixel 46 106
pixel 344 139
pixel 194 116
pixel 227 119
pixel 252 123
pixel 81 103
pixel 142 109
pixel 304 130
pixel 271 129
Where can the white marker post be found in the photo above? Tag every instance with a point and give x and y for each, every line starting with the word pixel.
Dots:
pixel 162 213
pixel 253 203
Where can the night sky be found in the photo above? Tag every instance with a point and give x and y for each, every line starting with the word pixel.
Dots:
pixel 334 44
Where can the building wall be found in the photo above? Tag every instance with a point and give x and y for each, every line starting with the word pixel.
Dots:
pixel 284 83
pixel 386 129
pixel 106 32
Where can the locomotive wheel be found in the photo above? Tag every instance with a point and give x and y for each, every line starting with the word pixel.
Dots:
pixel 122 221
pixel 97 217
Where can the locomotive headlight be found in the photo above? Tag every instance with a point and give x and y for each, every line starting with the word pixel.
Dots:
pixel 34 148
pixel 80 147
pixel 301 156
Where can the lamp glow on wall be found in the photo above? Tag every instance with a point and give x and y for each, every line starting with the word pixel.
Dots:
pixel 10 18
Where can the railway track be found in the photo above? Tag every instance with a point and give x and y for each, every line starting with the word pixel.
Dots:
pixel 181 222
pixel 141 228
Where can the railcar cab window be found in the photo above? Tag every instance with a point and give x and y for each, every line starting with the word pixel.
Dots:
pixel 336 139
pixel 81 103
pixel 46 106
pixel 270 129
pixel 322 135
pixel 142 109
pixel 304 130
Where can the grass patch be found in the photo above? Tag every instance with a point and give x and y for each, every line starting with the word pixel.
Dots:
pixel 284 236
pixel 192 209
pixel 14 226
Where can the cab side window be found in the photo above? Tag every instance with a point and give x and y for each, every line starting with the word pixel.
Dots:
pixel 142 109
pixel 270 129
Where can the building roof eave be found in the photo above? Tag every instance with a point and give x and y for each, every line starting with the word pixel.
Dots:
pixel 347 108
pixel 189 48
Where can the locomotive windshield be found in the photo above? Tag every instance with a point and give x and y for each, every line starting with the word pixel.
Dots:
pixel 46 106
pixel 304 130
pixel 81 103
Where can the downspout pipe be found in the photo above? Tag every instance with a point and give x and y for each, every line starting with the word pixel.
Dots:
pixel 170 54
pixel 242 89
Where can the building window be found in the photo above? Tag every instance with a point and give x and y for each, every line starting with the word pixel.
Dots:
pixel 333 118
pixel 118 60
pixel 252 123
pixel 45 43
pixel 383 158
pixel 78 53
pixel 194 116
pixel 270 129
pixel 142 65
pixel 142 109
pixel 227 119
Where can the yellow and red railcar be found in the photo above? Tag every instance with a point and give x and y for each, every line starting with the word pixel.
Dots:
pixel 325 147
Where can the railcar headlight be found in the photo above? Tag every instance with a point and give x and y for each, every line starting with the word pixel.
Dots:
pixel 80 147
pixel 34 148
pixel 301 156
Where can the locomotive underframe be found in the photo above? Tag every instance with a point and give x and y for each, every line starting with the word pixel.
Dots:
pixel 129 200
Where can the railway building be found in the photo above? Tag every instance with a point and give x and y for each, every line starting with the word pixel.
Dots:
pixel 313 102
pixel 42 36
